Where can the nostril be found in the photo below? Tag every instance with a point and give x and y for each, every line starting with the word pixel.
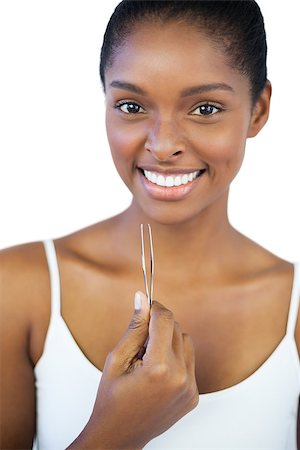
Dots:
pixel 164 154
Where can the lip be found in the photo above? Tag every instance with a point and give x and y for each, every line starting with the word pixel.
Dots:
pixel 173 193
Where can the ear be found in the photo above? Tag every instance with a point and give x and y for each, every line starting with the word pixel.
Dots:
pixel 260 112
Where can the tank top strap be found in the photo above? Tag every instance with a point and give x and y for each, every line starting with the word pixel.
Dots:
pixel 54 276
pixel 294 303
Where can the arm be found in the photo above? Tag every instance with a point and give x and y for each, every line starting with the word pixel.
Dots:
pixel 17 390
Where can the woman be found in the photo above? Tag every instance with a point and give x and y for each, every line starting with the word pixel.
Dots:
pixel 185 86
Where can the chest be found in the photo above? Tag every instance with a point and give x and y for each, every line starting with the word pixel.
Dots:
pixel 234 329
pixel 235 336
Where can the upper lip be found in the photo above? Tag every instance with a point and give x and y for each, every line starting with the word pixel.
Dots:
pixel 170 171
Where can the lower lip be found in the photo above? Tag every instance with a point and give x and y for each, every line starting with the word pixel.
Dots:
pixel 169 193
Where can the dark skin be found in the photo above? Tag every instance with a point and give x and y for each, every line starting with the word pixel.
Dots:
pixel 229 294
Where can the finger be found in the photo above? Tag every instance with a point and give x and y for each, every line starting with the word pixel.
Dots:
pixel 189 353
pixel 177 343
pixel 137 332
pixel 161 329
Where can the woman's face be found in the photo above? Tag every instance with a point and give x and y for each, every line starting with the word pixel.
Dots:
pixel 177 121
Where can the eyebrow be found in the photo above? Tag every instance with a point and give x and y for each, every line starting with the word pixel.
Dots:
pixel 202 88
pixel 206 88
pixel 128 87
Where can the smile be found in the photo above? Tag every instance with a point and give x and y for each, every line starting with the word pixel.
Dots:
pixel 170 186
pixel 171 180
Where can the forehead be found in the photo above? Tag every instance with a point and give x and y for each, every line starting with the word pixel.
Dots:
pixel 154 54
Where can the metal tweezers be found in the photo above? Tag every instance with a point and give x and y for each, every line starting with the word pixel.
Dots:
pixel 149 293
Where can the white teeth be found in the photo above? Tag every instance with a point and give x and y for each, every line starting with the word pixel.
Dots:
pixel 177 181
pixel 169 180
pixel 153 177
pixel 161 180
pixel 185 179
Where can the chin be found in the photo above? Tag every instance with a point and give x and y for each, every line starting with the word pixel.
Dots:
pixel 208 211
pixel 171 215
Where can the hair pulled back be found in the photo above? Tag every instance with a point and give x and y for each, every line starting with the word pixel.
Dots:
pixel 236 27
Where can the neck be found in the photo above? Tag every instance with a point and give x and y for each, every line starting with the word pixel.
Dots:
pixel 203 244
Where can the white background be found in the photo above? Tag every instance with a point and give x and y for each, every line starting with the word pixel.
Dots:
pixel 56 173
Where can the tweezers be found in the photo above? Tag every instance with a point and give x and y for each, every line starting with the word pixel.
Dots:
pixel 149 292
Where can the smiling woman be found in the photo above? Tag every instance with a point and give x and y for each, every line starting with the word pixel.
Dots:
pixel 198 122
pixel 214 362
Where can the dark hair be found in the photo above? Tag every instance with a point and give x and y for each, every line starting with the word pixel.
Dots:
pixel 237 27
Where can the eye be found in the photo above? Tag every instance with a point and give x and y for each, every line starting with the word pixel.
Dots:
pixel 129 107
pixel 206 110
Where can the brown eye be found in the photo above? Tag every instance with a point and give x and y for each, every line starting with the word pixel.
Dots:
pixel 206 110
pixel 130 108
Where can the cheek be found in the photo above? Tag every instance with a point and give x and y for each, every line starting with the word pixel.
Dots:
pixel 123 145
pixel 222 147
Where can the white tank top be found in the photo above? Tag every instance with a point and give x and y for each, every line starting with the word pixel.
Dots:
pixel 259 413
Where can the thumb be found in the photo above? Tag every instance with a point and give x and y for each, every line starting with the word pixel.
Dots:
pixel 137 332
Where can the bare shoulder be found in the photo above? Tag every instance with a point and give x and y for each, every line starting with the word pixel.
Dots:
pixel 279 274
pixel 260 262
pixel 24 277
pixel 24 274
pixel 287 272
pixel 20 259
pixel 25 289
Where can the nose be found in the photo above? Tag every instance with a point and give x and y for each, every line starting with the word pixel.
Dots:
pixel 165 141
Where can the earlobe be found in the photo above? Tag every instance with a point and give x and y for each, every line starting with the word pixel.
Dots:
pixel 260 111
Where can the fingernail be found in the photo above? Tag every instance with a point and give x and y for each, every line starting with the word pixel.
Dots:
pixel 137 301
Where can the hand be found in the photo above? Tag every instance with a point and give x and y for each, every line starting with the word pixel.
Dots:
pixel 138 399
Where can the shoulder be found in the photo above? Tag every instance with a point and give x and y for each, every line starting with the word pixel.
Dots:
pixel 285 279
pixel 25 288
pixel 288 275
pixel 277 276
pixel 22 268
pixel 21 256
